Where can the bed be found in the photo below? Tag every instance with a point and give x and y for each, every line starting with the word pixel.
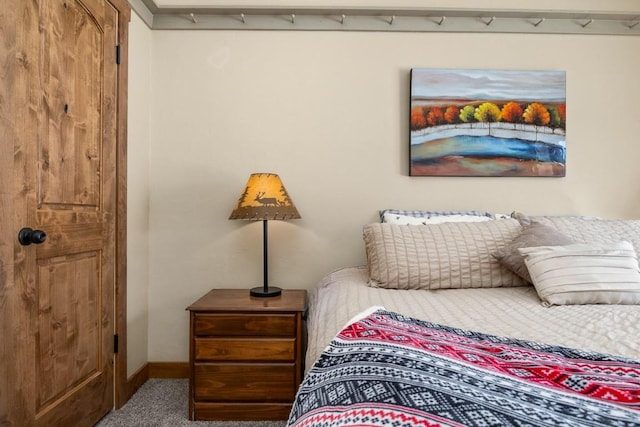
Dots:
pixel 446 343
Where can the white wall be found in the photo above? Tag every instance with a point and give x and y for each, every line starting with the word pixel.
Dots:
pixel 138 194
pixel 328 112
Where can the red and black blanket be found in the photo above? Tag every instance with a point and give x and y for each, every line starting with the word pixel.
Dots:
pixel 391 370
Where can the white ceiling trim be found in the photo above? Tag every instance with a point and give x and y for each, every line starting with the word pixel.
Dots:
pixel 386 19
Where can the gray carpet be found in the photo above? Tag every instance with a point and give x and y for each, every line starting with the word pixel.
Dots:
pixel 164 403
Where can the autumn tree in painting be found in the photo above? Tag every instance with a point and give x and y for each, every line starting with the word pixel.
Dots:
pixel 418 120
pixel 451 114
pixel 562 109
pixel 555 119
pixel 435 117
pixel 561 118
pixel 536 114
pixel 467 114
pixel 488 112
pixel 512 112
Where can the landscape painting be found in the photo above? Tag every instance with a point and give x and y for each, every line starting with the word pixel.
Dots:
pixel 488 123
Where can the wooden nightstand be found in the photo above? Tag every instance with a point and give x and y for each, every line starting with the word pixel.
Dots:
pixel 245 355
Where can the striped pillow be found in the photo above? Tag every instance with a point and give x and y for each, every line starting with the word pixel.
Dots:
pixel 584 273
pixel 439 256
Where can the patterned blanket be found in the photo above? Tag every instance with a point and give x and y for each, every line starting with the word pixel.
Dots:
pixel 392 370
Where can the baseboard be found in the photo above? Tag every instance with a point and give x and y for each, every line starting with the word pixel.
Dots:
pixel 154 370
pixel 168 369
pixel 135 381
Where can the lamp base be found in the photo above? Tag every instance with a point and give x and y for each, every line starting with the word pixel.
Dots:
pixel 271 291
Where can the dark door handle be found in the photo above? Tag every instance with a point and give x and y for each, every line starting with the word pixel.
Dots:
pixel 27 236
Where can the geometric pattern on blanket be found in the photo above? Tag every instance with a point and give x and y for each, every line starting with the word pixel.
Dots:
pixel 392 370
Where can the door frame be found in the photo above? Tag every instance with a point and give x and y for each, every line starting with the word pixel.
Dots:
pixel 122 389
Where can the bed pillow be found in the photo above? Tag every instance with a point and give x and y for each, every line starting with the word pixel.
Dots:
pixel 535 234
pixel 547 219
pixel 584 230
pixel 428 214
pixel 501 216
pixel 585 273
pixel 391 218
pixel 439 256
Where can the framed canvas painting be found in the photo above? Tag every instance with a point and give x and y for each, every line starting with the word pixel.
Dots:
pixel 487 123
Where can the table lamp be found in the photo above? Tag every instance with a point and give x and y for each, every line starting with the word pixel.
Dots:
pixel 264 198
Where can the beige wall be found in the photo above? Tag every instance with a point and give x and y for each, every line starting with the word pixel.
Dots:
pixel 138 194
pixel 329 113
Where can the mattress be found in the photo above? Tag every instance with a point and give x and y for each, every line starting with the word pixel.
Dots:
pixel 508 312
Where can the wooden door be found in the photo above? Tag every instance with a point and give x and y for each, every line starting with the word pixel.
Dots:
pixel 59 127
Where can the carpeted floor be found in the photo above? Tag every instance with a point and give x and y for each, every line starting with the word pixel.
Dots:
pixel 163 403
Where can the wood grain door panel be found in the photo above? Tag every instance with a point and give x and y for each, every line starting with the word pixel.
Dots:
pixel 68 337
pixel 74 84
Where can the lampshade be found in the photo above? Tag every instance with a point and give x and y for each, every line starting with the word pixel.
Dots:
pixel 264 198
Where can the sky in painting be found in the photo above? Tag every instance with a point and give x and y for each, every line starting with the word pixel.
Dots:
pixel 489 84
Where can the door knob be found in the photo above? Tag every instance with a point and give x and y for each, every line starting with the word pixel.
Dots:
pixel 27 236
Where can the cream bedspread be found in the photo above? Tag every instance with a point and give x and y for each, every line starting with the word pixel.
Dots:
pixel 512 312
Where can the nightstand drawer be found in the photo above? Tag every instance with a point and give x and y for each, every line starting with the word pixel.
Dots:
pixel 245 350
pixel 244 382
pixel 277 325
pixel 241 411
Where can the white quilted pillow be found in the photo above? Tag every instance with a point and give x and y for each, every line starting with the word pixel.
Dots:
pixel 391 218
pixel 584 273
pixel 439 256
